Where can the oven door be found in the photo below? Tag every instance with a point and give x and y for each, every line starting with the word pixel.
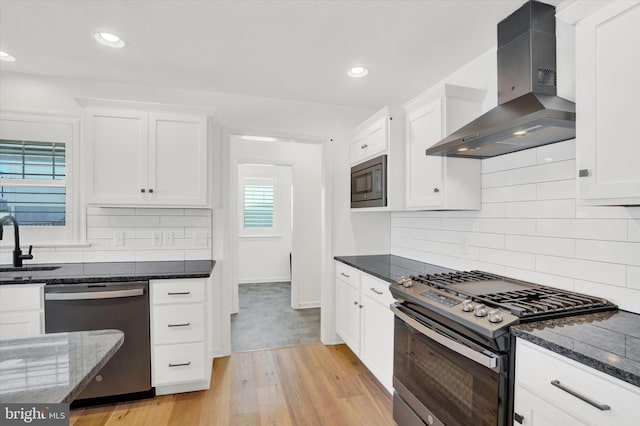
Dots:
pixel 443 377
pixel 368 183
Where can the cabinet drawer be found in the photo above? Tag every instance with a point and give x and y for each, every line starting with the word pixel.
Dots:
pixel 24 297
pixel 537 367
pixel 348 274
pixel 178 363
pixel 177 291
pixel 178 324
pixel 21 324
pixel 377 289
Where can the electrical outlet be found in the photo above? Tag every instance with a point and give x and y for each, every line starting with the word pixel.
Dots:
pixel 118 238
pixel 200 239
pixel 168 238
pixel 156 238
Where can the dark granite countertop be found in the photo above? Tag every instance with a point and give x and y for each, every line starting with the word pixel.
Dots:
pixel 53 368
pixel 73 273
pixel 388 267
pixel 606 341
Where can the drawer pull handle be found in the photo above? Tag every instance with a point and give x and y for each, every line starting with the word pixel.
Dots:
pixel 182 364
pixel 375 291
pixel 345 275
pixel 601 407
pixel 178 293
pixel 186 324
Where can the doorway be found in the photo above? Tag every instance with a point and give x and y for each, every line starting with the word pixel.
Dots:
pixel 275 228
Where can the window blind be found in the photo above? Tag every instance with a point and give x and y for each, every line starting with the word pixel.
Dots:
pixel 258 206
pixel 32 182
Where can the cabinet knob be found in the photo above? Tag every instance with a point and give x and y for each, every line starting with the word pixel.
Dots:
pixel 142 190
pixel 363 146
pixel 436 189
pixel 583 172
pixel 150 190
pixel 355 302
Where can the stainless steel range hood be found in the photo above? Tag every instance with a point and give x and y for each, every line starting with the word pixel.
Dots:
pixel 529 114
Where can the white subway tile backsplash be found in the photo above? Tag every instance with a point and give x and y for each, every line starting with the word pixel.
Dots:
pixel 557 190
pixel 634 230
pixel 556 152
pixel 515 160
pixel 608 273
pixel 542 173
pixel 633 277
pixel 134 221
pixel 492 180
pixel 596 229
pixel 95 221
pixel 508 258
pixel 532 227
pixel 159 212
pixel 609 251
pixel 509 193
pixel 626 298
pixel 508 226
pixel 185 221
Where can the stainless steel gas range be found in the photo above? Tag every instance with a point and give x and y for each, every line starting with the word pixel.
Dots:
pixel 453 358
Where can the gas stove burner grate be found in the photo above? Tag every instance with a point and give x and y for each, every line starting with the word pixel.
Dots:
pixel 538 301
pixel 443 279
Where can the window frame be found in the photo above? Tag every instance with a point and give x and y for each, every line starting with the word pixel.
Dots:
pixel 43 127
pixel 258 232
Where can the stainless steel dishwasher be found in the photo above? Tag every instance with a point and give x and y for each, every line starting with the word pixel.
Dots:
pixel 113 305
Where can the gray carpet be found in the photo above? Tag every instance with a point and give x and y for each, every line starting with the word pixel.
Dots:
pixel 266 320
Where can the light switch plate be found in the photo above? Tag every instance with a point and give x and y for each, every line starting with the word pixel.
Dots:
pixel 118 238
pixel 156 238
pixel 168 238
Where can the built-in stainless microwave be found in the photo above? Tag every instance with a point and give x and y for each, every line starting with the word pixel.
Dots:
pixel 369 183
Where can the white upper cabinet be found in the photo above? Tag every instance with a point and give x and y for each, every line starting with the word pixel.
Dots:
pixel 382 134
pixel 371 138
pixel 435 182
pixel 607 91
pixel 141 158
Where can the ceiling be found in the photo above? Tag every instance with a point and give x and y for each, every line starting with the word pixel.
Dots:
pixel 296 49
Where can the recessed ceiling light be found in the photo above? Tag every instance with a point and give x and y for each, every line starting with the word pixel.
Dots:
pixel 109 39
pixel 520 133
pixel 463 149
pixel 357 72
pixel 4 56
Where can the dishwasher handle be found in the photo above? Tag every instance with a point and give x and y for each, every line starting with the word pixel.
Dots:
pixel 86 295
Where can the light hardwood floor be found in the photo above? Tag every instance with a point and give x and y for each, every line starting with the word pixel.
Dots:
pixel 308 384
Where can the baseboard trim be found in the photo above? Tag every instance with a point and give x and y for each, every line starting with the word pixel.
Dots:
pixel 265 280
pixel 308 305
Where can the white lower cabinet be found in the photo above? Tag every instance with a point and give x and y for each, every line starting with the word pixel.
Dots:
pixel 21 310
pixel 554 390
pixel 364 320
pixel 179 361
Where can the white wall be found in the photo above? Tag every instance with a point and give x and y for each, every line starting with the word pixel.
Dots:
pixel 308 193
pixel 265 258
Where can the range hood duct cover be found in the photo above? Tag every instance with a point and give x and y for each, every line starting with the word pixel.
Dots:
pixel 529 113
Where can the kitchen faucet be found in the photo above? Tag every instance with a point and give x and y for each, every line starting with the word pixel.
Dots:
pixel 18 257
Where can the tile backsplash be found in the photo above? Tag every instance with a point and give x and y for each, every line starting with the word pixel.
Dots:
pixel 134 234
pixel 531 227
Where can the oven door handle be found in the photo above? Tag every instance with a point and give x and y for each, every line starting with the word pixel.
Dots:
pixel 94 294
pixel 484 359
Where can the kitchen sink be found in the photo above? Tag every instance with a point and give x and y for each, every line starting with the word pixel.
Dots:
pixel 29 268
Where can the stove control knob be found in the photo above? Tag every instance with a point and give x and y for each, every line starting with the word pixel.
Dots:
pixel 480 310
pixel 495 317
pixel 467 306
pixel 406 282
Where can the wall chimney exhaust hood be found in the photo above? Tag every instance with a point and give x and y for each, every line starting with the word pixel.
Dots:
pixel 529 114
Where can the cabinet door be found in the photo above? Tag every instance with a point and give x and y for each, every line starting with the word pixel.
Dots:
pixel 348 315
pixel 20 324
pixel 376 138
pixel 535 411
pixel 358 148
pixel 607 86
pixel 377 340
pixel 424 173
pixel 117 157
pixel 178 160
